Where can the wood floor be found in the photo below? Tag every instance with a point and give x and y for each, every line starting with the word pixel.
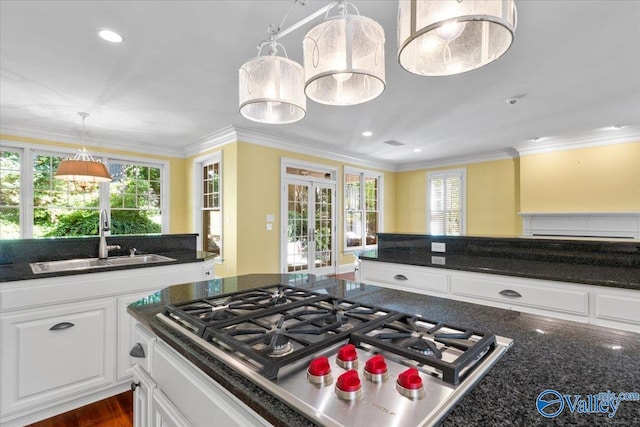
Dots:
pixel 116 411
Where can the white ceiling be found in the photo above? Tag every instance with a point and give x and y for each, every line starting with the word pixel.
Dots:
pixel 173 81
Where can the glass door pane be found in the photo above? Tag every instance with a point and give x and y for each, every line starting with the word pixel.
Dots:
pixel 323 229
pixel 298 227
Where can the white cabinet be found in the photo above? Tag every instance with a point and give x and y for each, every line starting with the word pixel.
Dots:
pixel 182 395
pixel 143 387
pixel 44 373
pixel 126 338
pixel 406 277
pixel 521 293
pixel 599 305
pixel 197 397
pixel 57 352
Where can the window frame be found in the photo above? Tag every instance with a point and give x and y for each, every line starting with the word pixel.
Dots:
pixel 28 150
pixel 198 165
pixel 362 173
pixel 462 172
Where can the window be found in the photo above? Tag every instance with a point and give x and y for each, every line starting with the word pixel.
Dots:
pixel 136 198
pixel 446 201
pixel 212 206
pixel 362 201
pixel 10 194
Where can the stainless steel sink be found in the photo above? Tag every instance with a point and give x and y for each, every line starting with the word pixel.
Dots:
pixel 93 263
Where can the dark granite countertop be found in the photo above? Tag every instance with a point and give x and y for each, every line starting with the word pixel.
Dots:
pixel 601 275
pixel 569 357
pixel 22 270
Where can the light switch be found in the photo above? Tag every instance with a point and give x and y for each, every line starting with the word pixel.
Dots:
pixel 270 218
pixel 269 226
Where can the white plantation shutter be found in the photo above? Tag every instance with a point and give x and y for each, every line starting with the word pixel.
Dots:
pixel 446 203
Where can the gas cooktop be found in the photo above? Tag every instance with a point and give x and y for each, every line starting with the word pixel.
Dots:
pixel 338 360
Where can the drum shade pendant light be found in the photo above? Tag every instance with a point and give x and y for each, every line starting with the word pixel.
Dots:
pixel 344 59
pixel 446 37
pixel 272 88
pixel 83 170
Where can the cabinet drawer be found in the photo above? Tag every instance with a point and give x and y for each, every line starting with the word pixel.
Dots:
pixel 199 398
pixel 404 276
pixel 625 308
pixel 58 352
pixel 146 339
pixel 516 293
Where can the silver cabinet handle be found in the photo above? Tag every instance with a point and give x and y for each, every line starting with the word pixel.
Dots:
pixel 510 293
pixel 137 351
pixel 400 277
pixel 60 326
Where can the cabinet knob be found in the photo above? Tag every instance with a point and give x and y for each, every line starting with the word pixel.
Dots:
pixel 60 326
pixel 510 293
pixel 134 385
pixel 137 351
pixel 400 277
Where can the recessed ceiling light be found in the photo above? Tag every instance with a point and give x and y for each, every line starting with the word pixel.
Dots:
pixel 614 127
pixel 367 133
pixel 537 138
pixel 417 150
pixel 110 36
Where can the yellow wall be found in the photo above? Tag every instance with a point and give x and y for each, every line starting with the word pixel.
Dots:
pixel 597 179
pixel 492 199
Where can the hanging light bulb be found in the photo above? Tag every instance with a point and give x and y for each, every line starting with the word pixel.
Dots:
pixel 83 170
pixel 272 88
pixel 344 59
pixel 445 37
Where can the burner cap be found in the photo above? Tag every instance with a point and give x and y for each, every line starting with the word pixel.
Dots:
pixel 280 298
pixel 220 315
pixel 421 346
pixel 280 342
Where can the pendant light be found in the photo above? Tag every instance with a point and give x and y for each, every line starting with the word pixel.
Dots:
pixel 446 37
pixel 83 170
pixel 344 59
pixel 272 88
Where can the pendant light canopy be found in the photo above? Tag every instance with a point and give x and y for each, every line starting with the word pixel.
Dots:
pixel 83 170
pixel 445 37
pixel 344 59
pixel 272 89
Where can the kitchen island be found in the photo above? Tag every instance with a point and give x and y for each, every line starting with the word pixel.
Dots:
pixel 548 354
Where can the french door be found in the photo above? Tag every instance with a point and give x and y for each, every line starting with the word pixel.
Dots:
pixel 309 227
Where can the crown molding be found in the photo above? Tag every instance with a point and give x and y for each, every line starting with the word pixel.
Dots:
pixel 51 134
pixel 230 134
pixel 593 139
pixel 459 160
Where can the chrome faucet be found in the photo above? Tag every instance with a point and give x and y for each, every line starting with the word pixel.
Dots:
pixel 103 248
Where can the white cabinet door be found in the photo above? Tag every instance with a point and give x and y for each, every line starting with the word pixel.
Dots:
pixel 142 397
pixel 165 414
pixel 57 352
pixel 126 340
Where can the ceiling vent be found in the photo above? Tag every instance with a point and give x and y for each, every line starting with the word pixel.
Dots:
pixel 394 143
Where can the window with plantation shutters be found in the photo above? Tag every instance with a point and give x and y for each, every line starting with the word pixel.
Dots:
pixel 445 199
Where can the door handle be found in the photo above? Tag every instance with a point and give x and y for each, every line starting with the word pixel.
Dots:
pixel 137 351
pixel 510 293
pixel 60 326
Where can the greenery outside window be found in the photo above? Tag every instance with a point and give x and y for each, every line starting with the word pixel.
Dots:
pixel 10 194
pixel 362 201
pixel 446 202
pixel 212 205
pixel 134 197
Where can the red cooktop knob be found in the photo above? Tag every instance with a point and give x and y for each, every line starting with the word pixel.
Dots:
pixel 349 381
pixel 347 353
pixel 319 366
pixel 376 365
pixel 410 379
